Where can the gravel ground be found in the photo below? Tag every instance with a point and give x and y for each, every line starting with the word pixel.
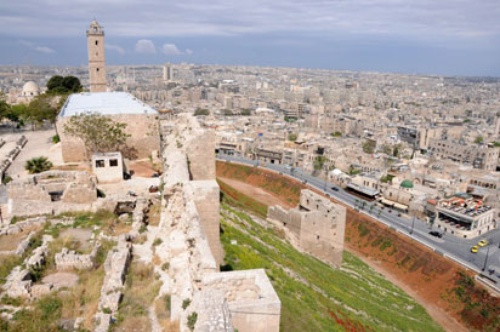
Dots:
pixel 39 144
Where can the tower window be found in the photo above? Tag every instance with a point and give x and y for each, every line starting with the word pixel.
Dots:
pixel 97 42
pixel 97 69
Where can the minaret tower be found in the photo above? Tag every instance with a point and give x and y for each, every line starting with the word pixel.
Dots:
pixel 97 67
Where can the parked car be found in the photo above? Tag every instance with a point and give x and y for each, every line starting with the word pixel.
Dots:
pixel 436 234
pixel 335 188
pixel 474 249
pixel 483 243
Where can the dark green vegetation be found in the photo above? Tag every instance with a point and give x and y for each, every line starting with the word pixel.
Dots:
pixel 38 165
pixel 63 84
pixel 314 296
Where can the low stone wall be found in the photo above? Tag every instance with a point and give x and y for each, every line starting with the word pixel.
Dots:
pixel 116 266
pixel 69 259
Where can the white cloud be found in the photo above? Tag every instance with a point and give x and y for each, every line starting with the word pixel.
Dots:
pixel 171 49
pixel 145 46
pixel 412 18
pixel 44 49
pixel 115 48
pixel 37 48
pixel 188 51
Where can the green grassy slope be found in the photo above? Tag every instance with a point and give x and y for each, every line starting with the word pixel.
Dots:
pixel 314 296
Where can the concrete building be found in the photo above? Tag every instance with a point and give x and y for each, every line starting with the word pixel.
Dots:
pixel 462 216
pixel 316 225
pixel 480 156
pixel 108 167
pixel 97 66
pixel 141 121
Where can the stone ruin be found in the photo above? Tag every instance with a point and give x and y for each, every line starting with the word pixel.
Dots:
pixel 190 228
pixel 19 282
pixel 316 226
pixel 52 192
pixel 70 260
pixel 116 266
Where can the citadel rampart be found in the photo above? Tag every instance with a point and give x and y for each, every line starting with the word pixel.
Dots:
pixel 190 224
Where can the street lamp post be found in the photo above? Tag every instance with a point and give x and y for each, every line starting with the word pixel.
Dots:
pixel 486 259
pixel 412 224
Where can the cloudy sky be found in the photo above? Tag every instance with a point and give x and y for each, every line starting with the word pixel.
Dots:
pixel 451 37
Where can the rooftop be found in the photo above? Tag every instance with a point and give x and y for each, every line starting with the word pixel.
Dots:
pixel 104 103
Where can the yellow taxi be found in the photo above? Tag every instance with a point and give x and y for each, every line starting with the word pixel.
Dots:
pixel 483 243
pixel 474 249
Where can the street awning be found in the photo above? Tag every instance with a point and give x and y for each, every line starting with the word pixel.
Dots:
pixel 387 202
pixel 400 206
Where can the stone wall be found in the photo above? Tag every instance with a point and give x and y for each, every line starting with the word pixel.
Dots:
pixel 253 304
pixel 189 229
pixel 76 191
pixel 142 128
pixel 206 197
pixel 317 224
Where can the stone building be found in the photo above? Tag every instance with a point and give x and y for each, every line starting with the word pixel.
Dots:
pixel 141 121
pixel 316 225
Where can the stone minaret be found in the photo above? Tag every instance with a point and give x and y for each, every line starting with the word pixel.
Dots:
pixel 97 67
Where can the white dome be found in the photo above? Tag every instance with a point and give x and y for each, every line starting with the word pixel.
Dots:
pixel 31 86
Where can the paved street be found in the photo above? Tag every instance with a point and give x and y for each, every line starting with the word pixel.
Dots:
pixel 488 257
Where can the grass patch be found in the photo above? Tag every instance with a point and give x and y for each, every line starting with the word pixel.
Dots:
pixel 316 297
pixel 141 289
pixel 43 315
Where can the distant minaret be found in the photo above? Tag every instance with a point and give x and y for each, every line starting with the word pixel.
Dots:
pixel 97 67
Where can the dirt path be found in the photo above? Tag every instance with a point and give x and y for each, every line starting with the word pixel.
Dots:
pixel 416 290
pixel 256 193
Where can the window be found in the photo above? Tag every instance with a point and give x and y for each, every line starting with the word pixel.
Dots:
pixel 97 69
pixel 99 163
pixel 113 162
pixel 96 42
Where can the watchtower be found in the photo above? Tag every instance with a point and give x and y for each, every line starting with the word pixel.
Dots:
pixel 97 67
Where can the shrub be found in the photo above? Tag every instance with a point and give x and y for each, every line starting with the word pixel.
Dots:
pixel 186 303
pixel 192 318
pixel 157 242
pixel 56 139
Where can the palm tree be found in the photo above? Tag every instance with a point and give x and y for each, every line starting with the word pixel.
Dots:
pixel 38 165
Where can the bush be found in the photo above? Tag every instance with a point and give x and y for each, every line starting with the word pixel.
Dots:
pixel 186 303
pixel 56 139
pixel 192 318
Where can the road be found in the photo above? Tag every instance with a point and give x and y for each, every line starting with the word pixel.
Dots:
pixel 458 249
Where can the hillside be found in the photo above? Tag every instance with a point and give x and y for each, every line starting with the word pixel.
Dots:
pixel 448 292
pixel 314 296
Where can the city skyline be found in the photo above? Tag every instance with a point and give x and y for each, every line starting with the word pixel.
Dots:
pixel 444 38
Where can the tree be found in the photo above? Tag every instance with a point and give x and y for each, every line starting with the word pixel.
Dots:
pixel 318 162
pixel 369 146
pixel 38 165
pixel 478 140
pixel 44 108
pixel 98 132
pixel 62 85
pixel 292 137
